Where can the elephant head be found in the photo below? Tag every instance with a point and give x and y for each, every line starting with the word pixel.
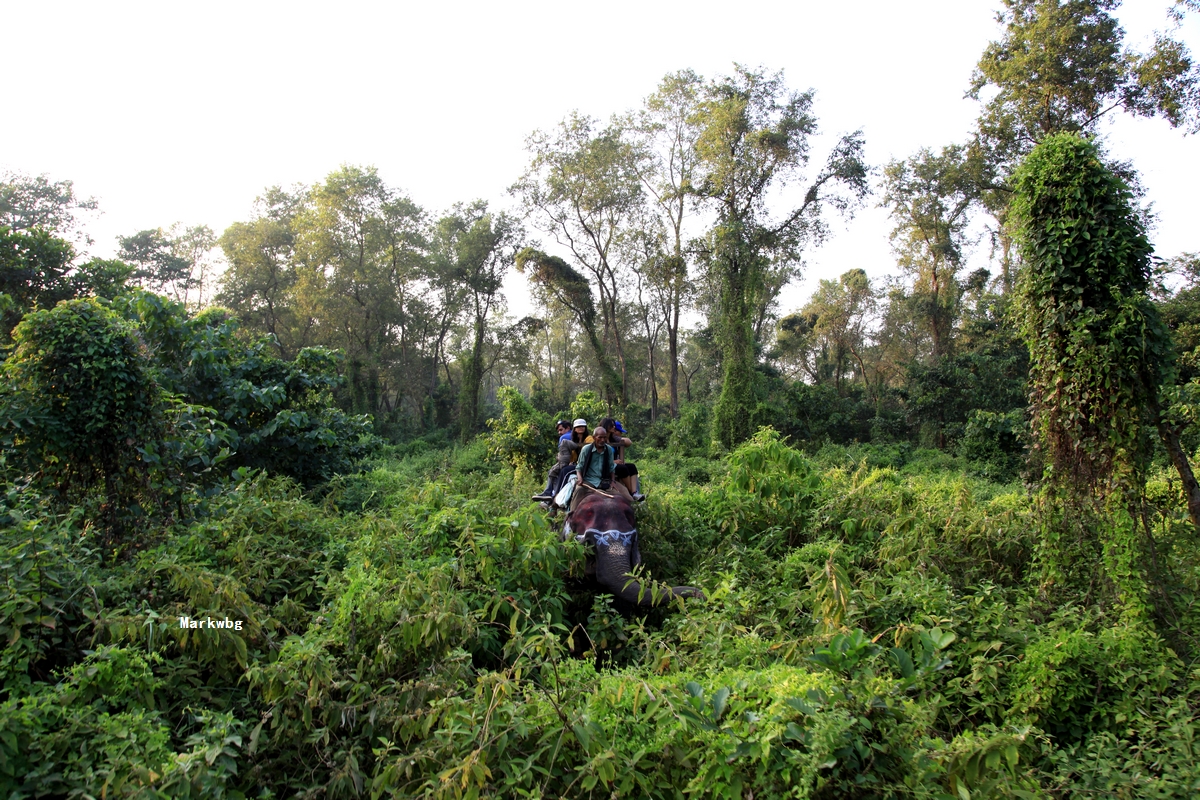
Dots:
pixel 607 523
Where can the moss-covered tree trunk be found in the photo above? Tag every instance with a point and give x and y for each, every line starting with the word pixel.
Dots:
pixel 1098 355
pixel 732 414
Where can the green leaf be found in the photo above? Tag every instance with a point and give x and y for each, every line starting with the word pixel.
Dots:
pixel 903 661
pixel 719 700
pixel 801 706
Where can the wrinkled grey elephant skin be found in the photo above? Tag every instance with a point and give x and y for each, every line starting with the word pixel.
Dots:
pixel 607 523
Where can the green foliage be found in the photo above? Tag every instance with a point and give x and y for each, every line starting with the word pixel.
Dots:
pixel 522 437
pixel 83 400
pixel 420 631
pixel 688 431
pixel 590 406
pixel 270 413
pixel 996 443
pixel 33 272
pixel 30 203
pixel 1073 680
pixel 772 490
pixel 97 733
pixel 1062 66
pixel 1098 349
pixel 44 601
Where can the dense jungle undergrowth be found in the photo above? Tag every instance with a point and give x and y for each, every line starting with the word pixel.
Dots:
pixel 269 534
pixel 875 626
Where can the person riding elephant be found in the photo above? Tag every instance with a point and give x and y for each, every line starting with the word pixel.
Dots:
pixel 607 524
pixel 594 470
pixel 570 442
pixel 625 472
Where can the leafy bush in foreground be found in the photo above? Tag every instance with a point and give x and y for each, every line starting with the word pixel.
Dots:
pixel 417 630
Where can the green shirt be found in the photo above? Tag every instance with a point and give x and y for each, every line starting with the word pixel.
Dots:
pixel 596 469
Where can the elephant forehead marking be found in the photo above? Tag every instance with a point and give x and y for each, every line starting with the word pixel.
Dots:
pixel 614 538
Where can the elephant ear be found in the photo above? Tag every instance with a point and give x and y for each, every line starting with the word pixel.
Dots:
pixel 635 555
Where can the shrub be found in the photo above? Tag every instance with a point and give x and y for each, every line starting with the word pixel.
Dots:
pixel 1073 680
pixel 522 437
pixel 280 414
pixel 83 398
pixel 44 606
pixel 996 443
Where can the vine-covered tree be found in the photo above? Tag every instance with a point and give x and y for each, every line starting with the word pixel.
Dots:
pixel 1099 353
pixel 571 291
pixel 755 134
pixel 80 398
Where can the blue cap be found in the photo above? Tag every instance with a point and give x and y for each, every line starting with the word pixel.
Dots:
pixel 617 425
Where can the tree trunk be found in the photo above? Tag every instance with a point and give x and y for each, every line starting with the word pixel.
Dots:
pixel 653 388
pixel 468 414
pixel 616 329
pixel 732 412
pixel 673 347
pixel 1191 489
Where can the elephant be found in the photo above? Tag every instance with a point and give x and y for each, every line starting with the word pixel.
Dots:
pixel 606 522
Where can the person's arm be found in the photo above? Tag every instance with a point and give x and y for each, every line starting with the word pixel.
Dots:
pixel 565 449
pixel 579 466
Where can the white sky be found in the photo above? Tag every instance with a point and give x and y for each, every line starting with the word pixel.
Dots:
pixel 185 112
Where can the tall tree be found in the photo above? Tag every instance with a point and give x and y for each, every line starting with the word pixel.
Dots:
pixel 260 280
pixel 838 312
pixel 37 202
pixel 475 248
pixel 174 261
pixel 754 135
pixel 930 197
pixel 583 190
pixel 1062 66
pixel 34 272
pixel 653 314
pixel 667 128
pixel 362 246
